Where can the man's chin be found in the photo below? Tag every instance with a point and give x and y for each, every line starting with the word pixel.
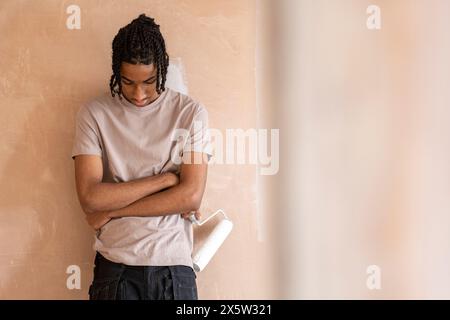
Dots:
pixel 140 104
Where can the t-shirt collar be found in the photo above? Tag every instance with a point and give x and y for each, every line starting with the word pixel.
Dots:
pixel 151 106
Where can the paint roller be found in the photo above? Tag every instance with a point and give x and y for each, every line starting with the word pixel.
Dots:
pixel 213 242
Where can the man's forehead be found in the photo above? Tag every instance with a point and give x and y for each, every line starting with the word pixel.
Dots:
pixel 138 72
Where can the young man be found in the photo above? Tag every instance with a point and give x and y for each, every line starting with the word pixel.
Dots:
pixel 130 185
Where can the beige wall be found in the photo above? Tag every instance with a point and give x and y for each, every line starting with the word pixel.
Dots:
pixel 364 175
pixel 363 118
pixel 48 71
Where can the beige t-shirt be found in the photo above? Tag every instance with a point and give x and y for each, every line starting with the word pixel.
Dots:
pixel 136 142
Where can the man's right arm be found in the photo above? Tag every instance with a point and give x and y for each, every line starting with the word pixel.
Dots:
pixel 95 195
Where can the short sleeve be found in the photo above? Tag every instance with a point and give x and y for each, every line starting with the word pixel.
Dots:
pixel 86 140
pixel 199 139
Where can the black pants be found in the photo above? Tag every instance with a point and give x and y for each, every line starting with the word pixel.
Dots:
pixel 116 281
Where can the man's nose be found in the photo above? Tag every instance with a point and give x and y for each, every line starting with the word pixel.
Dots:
pixel 139 94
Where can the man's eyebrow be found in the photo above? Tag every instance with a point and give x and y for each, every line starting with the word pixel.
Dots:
pixel 143 81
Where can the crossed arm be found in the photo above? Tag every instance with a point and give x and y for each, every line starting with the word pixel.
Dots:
pixel 157 195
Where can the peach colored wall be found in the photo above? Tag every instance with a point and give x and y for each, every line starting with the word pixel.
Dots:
pixel 364 175
pixel 48 71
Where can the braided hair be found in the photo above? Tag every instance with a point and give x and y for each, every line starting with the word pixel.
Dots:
pixel 139 42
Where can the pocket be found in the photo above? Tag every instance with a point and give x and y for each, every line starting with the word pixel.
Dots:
pixel 184 283
pixel 168 288
pixel 111 289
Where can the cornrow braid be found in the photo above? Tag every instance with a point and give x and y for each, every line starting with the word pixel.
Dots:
pixel 139 42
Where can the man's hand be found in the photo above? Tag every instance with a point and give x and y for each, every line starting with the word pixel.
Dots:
pixel 98 219
pixel 186 215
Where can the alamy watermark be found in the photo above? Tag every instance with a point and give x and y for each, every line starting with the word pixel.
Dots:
pixel 73 21
pixel 373 281
pixel 74 279
pixel 236 146
pixel 374 20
